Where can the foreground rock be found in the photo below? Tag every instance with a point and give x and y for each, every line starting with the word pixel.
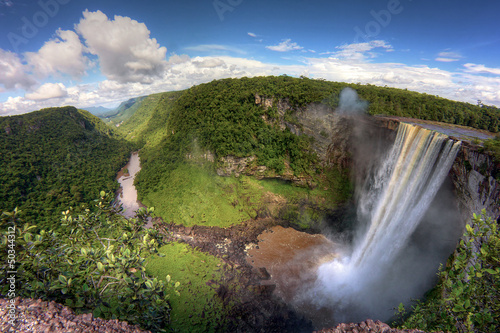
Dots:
pixel 36 316
pixel 366 327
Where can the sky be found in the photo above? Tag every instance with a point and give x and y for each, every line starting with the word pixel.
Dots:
pixel 100 53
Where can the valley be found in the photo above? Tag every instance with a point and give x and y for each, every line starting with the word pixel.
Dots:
pixel 227 166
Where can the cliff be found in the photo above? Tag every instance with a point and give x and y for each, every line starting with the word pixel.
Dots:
pixel 337 138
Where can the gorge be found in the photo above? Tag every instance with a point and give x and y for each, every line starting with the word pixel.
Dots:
pixel 244 176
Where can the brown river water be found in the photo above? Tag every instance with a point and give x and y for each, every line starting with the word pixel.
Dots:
pixel 127 194
pixel 291 258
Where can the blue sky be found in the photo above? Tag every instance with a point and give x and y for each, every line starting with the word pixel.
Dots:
pixel 91 53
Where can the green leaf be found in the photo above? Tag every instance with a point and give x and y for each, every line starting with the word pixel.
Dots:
pixel 103 194
pixel 149 284
pixel 27 237
pixel 491 271
pixel 63 279
pixel 100 266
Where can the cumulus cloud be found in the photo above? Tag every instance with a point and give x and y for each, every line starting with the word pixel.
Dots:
pixel 14 74
pixel 123 46
pixel 448 56
pixel 48 91
pixel 182 71
pixel 474 68
pixel 285 46
pixel 61 55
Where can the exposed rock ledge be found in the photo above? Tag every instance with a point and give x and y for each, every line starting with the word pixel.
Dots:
pixel 36 316
pixel 366 327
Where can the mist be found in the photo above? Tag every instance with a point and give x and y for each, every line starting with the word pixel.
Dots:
pixel 354 287
pixel 350 104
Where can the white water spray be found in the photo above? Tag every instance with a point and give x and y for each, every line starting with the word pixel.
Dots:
pixel 394 201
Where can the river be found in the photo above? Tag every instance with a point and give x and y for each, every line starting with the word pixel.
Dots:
pixel 127 194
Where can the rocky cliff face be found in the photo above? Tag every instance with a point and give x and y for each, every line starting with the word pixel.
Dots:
pixel 476 188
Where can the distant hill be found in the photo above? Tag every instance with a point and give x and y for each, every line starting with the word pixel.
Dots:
pixel 97 110
pixel 56 158
pixel 124 111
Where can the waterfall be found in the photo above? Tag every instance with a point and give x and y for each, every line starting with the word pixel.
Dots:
pixel 370 280
pixel 402 190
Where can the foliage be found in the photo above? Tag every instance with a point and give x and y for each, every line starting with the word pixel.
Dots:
pixel 493 146
pixel 467 298
pixel 97 264
pixel 56 158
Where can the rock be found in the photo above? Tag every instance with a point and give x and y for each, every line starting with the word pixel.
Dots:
pixel 36 316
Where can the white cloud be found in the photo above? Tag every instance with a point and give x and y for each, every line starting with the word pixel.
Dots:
pixel 474 68
pixel 61 55
pixel 125 50
pixel 285 46
pixel 209 63
pixel 182 72
pixel 251 34
pixel 360 51
pixel 448 56
pixel 48 91
pixel 13 73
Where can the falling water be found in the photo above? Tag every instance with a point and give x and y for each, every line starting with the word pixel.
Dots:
pixel 393 202
pixel 402 191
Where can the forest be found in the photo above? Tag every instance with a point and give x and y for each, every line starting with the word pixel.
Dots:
pixel 54 159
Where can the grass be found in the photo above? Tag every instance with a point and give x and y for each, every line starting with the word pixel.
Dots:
pixel 193 194
pixel 198 308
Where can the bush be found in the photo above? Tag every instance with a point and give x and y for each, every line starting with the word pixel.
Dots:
pixel 95 265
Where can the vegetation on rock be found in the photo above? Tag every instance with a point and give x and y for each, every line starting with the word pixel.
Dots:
pixel 467 297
